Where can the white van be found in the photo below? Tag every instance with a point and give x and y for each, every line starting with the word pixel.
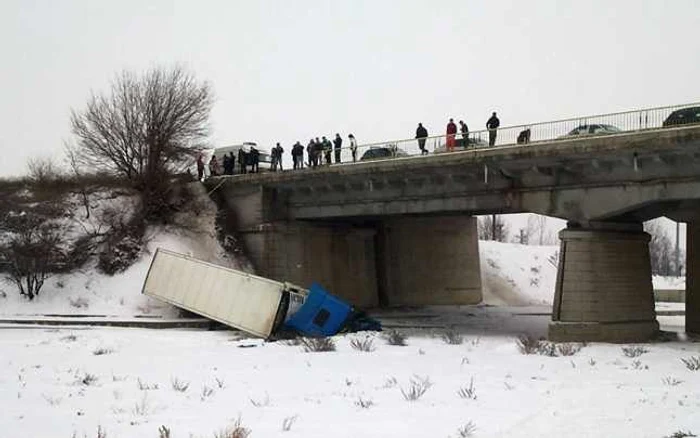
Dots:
pixel 265 159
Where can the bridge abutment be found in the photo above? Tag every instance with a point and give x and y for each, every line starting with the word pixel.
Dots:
pixel 604 290
pixel 692 278
pixel 430 260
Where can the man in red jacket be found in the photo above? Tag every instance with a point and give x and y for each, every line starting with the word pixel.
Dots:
pixel 451 131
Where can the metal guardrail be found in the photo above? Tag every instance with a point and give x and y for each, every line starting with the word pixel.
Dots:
pixel 588 126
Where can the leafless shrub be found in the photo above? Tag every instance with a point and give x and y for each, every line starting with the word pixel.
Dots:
pixel 206 392
pixel 145 386
pixel 467 430
pixel 69 338
pixel 591 362
pixel 452 337
pixel 43 171
pixel 142 408
pixel 670 381
pixel 364 403
pixel 638 365
pixel 292 342
pixel 680 434
pixel 102 350
pixel 547 349
pixel 33 251
pixel 220 382
pixel 692 363
pixel 315 345
pixel 634 351
pixel 51 400
pixel 288 422
pixel 528 344
pixel 417 388
pixel 468 391
pixel 236 430
pixel 87 379
pixel 395 337
pixel 79 303
pixel 567 349
pixel 366 344
pixel 179 385
pixel 163 432
pixel 261 403
pixel 390 382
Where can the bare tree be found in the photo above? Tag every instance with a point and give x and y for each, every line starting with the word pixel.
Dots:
pixel 33 251
pixel 661 251
pixel 145 128
pixel 42 170
pixel 493 227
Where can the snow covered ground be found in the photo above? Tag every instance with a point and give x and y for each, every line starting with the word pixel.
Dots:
pixel 64 382
pixel 55 383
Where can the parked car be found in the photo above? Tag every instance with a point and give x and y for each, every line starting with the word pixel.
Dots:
pixel 383 152
pixel 683 116
pixel 593 129
pixel 473 142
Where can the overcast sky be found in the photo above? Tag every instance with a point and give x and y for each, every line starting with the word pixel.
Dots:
pixel 290 69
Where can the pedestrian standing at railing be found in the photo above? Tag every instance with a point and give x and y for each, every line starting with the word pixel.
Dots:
pixel 492 125
pixel 353 147
pixel 337 144
pixel 298 155
pixel 421 135
pixel 451 132
pixel 242 160
pixel 318 151
pixel 327 147
pixel 310 152
pixel 464 129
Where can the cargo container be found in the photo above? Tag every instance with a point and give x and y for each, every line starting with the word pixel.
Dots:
pixel 253 304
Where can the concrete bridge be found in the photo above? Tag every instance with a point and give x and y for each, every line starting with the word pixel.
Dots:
pixel 401 231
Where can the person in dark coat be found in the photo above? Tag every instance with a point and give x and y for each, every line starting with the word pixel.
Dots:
pixel 421 134
pixel 242 158
pixel 232 159
pixel 327 147
pixel 310 150
pixel 337 144
pixel 226 165
pixel 451 131
pixel 200 166
pixel 464 129
pixel 254 160
pixel 298 155
pixel 492 125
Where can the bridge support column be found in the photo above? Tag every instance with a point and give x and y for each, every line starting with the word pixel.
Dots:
pixel 692 278
pixel 340 258
pixel 604 291
pixel 429 260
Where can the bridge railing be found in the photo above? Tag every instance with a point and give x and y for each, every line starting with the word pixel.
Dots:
pixel 588 126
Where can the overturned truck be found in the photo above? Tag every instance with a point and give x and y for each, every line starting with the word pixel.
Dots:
pixel 256 305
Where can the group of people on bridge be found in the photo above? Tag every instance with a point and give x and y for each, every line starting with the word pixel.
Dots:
pixel 451 140
pixel 320 151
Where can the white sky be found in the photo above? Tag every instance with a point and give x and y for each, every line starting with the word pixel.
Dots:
pixel 288 70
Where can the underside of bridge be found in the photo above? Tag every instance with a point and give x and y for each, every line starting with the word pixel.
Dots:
pixel 401 232
pixel 369 261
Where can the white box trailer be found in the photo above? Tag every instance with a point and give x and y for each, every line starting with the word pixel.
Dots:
pixel 247 302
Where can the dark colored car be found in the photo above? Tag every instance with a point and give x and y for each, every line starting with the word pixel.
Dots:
pixel 683 116
pixel 381 152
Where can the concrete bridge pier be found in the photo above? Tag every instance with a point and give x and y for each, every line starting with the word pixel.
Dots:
pixel 692 278
pixel 604 291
